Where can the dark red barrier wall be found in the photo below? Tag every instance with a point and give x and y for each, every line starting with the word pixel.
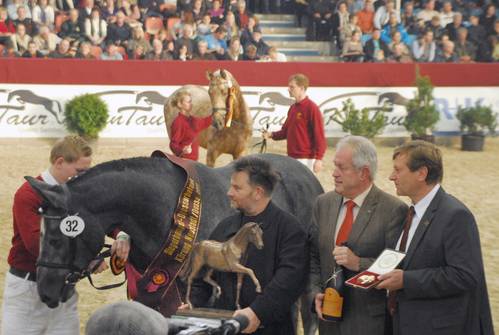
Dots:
pixel 51 71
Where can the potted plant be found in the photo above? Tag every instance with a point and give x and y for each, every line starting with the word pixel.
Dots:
pixel 422 114
pixel 475 120
pixel 360 122
pixel 86 115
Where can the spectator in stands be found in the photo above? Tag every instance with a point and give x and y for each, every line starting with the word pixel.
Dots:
pixel 217 41
pixel 62 50
pixel 435 26
pixel 7 28
pixel 234 52
pixel 13 7
pixel 86 10
pixel 73 28
pixel 217 13
pixel 138 39
pixel 85 51
pixel 339 22
pixel 111 53
pixel 198 11
pixel 231 26
pixel 262 48
pixel 242 14
pixel 205 27
pixel 465 50
pixel 408 19
pixel 32 51
pixel 135 18
pixel 379 57
pixel 157 52
pixel 247 33
pixel 320 20
pixel 350 28
pixel 352 49
pixel 456 24
pixel 202 52
pixel 64 5
pixel 182 54
pixel 109 11
pixel 184 5
pixel 391 27
pixel 250 53
pixel 382 15
pixel 137 53
pixel 300 10
pixel 169 48
pixel 397 39
pixel 96 28
pixel 8 51
pixel 476 32
pixel 447 54
pixel 23 19
pixel 119 32
pixel 186 39
pixel 428 12
pixel 304 126
pixel 275 56
pixel 168 8
pixel 373 45
pixel 424 48
pixel 44 14
pixel 260 6
pixel 366 18
pixel 20 39
pixel 398 55
pixel 488 19
pixel 446 14
pixel 46 41
pixel 486 51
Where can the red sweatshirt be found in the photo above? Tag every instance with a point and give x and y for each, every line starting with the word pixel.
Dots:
pixel 304 130
pixel 26 240
pixel 184 132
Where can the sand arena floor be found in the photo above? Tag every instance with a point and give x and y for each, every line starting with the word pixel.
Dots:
pixel 472 177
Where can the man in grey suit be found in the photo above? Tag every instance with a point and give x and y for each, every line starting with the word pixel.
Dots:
pixel 440 288
pixel 375 221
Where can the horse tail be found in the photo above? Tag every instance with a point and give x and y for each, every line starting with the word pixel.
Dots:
pixel 187 267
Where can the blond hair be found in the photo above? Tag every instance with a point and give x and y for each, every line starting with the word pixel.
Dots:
pixel 179 96
pixel 70 148
pixel 300 79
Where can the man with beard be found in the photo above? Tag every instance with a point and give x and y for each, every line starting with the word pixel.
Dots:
pixel 281 266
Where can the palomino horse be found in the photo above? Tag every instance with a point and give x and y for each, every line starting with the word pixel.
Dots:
pixel 139 196
pixel 225 101
pixel 223 256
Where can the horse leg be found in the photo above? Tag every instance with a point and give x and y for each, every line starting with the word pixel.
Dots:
pixel 216 287
pixel 242 269
pixel 239 285
pixel 194 271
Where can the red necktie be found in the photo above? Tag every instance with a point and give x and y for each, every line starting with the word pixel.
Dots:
pixel 346 226
pixel 392 296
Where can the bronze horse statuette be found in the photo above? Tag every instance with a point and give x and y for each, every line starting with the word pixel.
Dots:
pixel 225 257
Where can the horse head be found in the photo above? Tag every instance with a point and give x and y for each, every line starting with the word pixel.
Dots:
pixel 69 240
pixel 221 85
pixel 255 234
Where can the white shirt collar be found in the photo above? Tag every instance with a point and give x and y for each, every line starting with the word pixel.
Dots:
pixel 359 200
pixel 48 178
pixel 422 205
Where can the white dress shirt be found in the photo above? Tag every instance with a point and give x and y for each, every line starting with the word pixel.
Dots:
pixel 358 200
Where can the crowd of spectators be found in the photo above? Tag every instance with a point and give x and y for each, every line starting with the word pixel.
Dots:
pixel 135 29
pixel 359 30
pixel 421 31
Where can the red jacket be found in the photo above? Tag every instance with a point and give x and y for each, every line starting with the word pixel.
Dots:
pixel 304 130
pixel 26 240
pixel 185 131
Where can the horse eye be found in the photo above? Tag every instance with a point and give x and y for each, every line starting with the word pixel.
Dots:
pixel 55 243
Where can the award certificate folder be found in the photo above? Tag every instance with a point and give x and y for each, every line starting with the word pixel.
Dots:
pixel 387 261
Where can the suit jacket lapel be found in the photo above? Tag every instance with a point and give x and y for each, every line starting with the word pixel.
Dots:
pixel 334 211
pixel 363 216
pixel 423 226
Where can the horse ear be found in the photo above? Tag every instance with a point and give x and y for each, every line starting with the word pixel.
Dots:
pixel 223 74
pixel 53 194
pixel 209 75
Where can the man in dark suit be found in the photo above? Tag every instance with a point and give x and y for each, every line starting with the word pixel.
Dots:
pixel 376 219
pixel 374 44
pixel 440 288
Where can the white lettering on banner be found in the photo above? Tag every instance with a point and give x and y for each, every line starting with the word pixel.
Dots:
pixel 137 111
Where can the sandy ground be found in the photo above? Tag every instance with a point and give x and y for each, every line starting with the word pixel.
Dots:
pixel 472 177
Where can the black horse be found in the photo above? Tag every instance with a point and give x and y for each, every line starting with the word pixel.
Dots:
pixel 139 196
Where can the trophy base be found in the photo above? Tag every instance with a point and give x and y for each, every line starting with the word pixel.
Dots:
pixel 206 313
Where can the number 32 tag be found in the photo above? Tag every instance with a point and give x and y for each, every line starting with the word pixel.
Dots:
pixel 72 226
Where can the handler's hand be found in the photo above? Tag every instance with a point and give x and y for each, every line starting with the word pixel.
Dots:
pixel 187 149
pixel 254 321
pixel 392 281
pixel 344 256
pixel 121 246
pixel 319 299
pixel 317 166
pixel 183 307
